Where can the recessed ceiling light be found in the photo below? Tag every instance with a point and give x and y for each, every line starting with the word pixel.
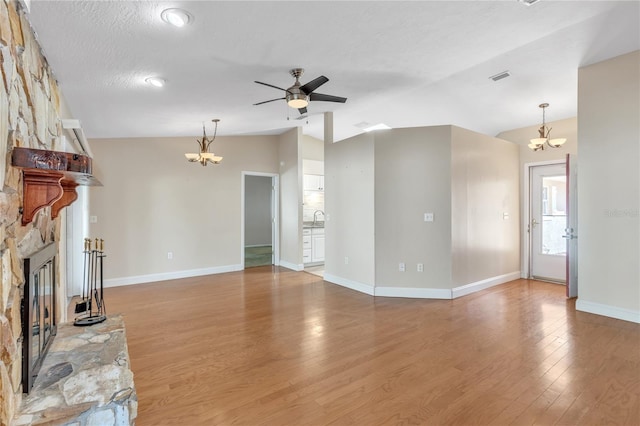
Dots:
pixel 379 126
pixel 528 2
pixel 176 17
pixel 156 81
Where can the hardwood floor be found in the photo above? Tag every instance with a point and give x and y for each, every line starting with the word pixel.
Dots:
pixel 270 346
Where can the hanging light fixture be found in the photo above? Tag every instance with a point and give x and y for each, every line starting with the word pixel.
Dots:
pixel 204 156
pixel 543 137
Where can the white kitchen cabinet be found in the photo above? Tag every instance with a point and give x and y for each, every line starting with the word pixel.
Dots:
pixel 317 248
pixel 313 245
pixel 313 182
pixel 306 242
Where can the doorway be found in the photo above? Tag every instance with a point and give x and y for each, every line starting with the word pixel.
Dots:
pixel 260 244
pixel 547 222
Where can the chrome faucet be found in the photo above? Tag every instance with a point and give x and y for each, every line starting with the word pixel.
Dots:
pixel 315 216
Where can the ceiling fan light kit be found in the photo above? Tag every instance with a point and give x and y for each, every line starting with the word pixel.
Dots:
pixel 204 156
pixel 539 143
pixel 299 95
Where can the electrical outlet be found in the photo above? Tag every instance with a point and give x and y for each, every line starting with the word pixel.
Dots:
pixel 505 216
pixel 346 260
pixel 93 219
pixel 428 217
pixel 420 267
pixel 401 267
pixel 170 255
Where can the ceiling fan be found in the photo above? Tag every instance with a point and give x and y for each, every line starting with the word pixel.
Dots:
pixel 298 96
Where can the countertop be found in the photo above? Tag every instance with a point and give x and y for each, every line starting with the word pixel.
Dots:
pixel 310 225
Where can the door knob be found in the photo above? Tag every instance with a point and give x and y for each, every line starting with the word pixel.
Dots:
pixel 568 234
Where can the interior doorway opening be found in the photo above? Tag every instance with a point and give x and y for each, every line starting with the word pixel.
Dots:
pixel 260 245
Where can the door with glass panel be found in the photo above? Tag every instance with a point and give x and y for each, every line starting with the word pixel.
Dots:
pixel 548 221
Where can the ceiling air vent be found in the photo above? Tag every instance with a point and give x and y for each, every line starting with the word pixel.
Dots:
pixel 500 76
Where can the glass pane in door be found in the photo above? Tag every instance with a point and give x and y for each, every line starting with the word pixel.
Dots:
pixel 554 215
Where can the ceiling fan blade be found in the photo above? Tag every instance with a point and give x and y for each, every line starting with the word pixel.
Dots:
pixel 313 84
pixel 270 85
pixel 326 98
pixel 302 110
pixel 271 100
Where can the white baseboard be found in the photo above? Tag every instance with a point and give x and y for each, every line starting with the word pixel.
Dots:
pixel 353 285
pixel 608 311
pixel 292 266
pixel 422 293
pixel 481 285
pixel 413 292
pixel 141 279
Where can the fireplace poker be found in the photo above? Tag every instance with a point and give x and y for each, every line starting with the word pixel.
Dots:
pixel 103 310
pixel 94 281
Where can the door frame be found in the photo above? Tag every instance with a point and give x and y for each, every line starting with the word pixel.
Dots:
pixel 275 214
pixel 526 214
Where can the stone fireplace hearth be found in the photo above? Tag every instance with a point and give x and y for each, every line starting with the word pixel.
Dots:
pixel 85 379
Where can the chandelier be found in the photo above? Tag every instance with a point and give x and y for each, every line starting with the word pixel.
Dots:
pixel 543 135
pixel 204 156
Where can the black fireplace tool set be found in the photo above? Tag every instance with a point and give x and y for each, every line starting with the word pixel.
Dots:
pixel 91 305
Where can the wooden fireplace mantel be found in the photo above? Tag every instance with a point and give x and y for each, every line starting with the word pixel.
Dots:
pixel 50 178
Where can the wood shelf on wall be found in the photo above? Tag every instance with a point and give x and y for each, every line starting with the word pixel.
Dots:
pixel 50 178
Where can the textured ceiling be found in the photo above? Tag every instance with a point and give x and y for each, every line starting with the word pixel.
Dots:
pixel 402 63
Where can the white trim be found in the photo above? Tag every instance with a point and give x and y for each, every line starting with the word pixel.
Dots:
pixel 526 214
pixel 415 293
pixel 608 311
pixel 275 212
pixel 353 285
pixel 163 276
pixel 299 267
pixel 484 284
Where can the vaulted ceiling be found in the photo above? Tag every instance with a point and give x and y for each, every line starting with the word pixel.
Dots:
pixel 404 64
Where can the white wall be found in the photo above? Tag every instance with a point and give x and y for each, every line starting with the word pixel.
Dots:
pixel 350 212
pixel 311 148
pixel 413 177
pixel 290 199
pixel 484 187
pixel 609 187
pixel 257 213
pixel 153 202
pixel 380 185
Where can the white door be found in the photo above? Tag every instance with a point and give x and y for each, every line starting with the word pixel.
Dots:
pixel 548 220
pixel 572 227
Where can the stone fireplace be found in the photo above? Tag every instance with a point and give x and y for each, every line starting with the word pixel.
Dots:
pixel 31 110
pixel 84 377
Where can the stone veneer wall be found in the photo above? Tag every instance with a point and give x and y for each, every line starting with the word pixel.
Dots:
pixel 29 117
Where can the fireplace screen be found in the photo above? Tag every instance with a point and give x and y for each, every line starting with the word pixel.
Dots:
pixel 38 311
